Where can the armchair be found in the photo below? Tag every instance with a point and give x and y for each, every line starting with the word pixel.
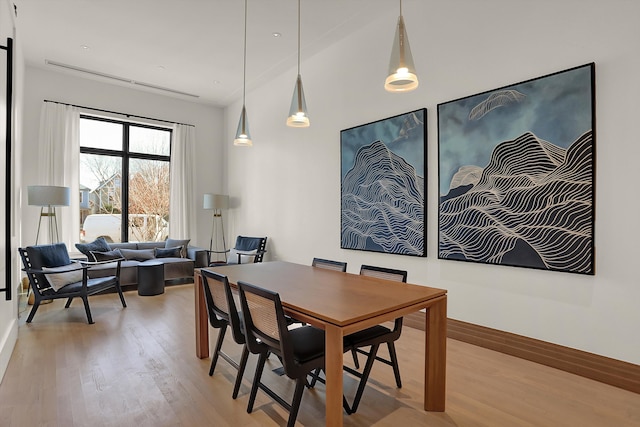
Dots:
pixel 246 250
pixel 52 275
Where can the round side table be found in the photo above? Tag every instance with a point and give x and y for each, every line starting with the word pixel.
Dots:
pixel 151 278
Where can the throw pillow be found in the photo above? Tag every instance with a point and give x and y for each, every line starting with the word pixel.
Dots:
pixel 137 254
pixel 169 252
pixel 246 259
pixel 98 245
pixel 107 256
pixel 65 275
pixel 172 243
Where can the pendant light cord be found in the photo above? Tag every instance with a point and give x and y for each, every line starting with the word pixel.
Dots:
pixel 298 37
pixel 244 63
pixel 400 7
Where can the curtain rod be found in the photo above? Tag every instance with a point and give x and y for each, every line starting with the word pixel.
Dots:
pixel 121 114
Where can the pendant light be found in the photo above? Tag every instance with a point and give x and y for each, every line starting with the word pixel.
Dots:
pixel 298 117
pixel 402 74
pixel 243 137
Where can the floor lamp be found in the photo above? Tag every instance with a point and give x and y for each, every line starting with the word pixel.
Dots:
pixel 48 196
pixel 217 202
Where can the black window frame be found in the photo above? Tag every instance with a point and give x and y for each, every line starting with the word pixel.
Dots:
pixel 126 156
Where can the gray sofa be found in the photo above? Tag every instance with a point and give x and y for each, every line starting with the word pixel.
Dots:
pixel 176 269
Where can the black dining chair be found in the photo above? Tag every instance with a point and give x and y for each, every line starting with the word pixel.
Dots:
pixel 223 313
pixel 329 264
pixel 301 350
pixel 374 336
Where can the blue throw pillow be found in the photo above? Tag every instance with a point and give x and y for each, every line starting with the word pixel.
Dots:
pixel 98 245
pixel 172 243
pixel 137 254
pixel 107 256
pixel 168 252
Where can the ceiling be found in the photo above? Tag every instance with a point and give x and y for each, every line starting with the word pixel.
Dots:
pixel 194 47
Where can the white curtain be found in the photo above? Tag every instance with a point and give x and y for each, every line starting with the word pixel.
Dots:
pixel 181 202
pixel 58 161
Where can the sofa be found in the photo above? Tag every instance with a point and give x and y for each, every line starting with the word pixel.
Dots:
pixel 178 257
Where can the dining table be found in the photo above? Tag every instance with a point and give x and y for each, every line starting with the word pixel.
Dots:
pixel 341 303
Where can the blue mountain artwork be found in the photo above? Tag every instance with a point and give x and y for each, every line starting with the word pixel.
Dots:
pixel 531 206
pixel 383 203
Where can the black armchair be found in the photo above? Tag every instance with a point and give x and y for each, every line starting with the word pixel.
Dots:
pixel 52 275
pixel 246 250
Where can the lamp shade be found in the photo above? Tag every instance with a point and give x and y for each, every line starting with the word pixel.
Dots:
pixel 48 195
pixel 402 73
pixel 243 137
pixel 215 201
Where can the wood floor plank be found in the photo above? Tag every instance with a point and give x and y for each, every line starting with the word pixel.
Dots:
pixel 137 367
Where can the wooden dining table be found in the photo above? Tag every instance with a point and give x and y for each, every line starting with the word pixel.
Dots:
pixel 342 303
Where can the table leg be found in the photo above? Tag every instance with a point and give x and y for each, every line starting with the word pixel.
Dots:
pixel 202 320
pixel 435 361
pixel 333 371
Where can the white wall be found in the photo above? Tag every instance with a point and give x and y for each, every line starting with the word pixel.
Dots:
pixel 287 186
pixel 54 86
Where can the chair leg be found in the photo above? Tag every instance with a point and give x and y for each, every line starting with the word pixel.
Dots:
pixel 241 367
pixel 295 403
pixel 85 300
pixel 354 353
pixel 214 357
pixel 365 377
pixel 314 377
pixel 256 380
pixel 68 302
pixel 394 362
pixel 32 313
pixel 119 289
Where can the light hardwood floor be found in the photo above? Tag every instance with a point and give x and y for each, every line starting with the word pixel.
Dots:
pixel 137 367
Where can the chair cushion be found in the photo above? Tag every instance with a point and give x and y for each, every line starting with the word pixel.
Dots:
pixel 55 255
pixel 98 245
pixel 107 256
pixel 246 259
pixel 168 252
pixel 308 343
pixel 72 273
pixel 367 334
pixel 172 243
pixel 137 254
pixel 245 244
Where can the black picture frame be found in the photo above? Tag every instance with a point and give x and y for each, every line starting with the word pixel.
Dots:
pixel 383 185
pixel 516 174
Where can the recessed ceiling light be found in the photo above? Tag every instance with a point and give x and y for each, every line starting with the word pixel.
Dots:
pixel 216 82
pixel 161 67
pixel 276 34
pixel 84 46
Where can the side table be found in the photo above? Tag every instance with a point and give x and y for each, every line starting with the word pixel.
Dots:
pixel 151 278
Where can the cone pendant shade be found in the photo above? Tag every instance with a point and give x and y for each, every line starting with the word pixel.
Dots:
pixel 298 116
pixel 402 73
pixel 243 137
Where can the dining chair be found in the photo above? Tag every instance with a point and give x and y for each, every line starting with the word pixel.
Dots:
pixel 301 350
pixel 374 336
pixel 223 313
pixel 329 264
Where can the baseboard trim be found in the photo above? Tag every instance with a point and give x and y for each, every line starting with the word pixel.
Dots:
pixel 606 370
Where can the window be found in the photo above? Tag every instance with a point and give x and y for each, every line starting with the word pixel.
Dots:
pixel 124 168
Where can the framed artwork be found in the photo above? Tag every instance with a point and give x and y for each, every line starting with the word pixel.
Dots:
pixel 516 174
pixel 383 170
